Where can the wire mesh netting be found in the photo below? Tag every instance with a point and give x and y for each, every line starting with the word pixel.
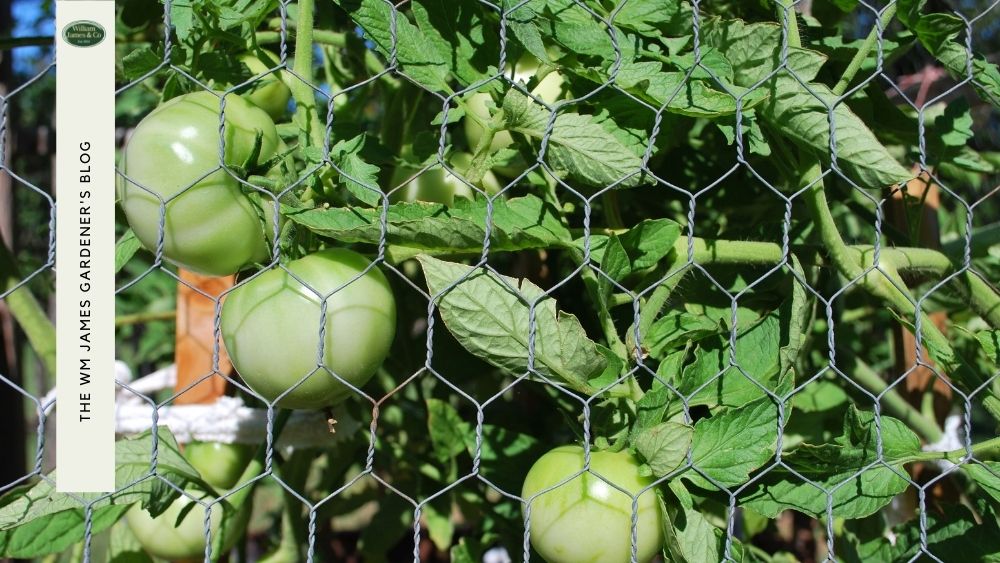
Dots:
pixel 561 280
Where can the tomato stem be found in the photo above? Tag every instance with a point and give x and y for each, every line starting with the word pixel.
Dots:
pixel 306 111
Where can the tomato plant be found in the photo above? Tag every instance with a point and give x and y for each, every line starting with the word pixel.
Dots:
pixel 271 327
pixel 587 517
pixel 170 166
pixel 166 537
pixel 746 252
pixel 219 464
pixel 547 87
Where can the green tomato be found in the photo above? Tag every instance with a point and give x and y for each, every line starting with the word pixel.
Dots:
pixel 271 328
pixel 438 185
pixel 269 93
pixel 211 226
pixel 548 90
pixel 585 519
pixel 219 464
pixel 163 537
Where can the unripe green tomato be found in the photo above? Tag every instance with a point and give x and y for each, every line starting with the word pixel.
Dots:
pixel 271 327
pixel 585 520
pixel 269 93
pixel 219 464
pixel 162 538
pixel 438 185
pixel 211 226
pixel 548 90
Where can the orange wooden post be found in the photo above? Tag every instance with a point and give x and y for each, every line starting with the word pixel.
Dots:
pixel 195 338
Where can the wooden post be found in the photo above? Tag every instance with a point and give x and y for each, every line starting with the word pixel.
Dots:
pixel 195 338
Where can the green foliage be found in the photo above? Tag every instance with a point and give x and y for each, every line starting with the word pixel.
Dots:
pixel 675 229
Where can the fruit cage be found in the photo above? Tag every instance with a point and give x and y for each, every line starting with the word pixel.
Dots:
pixel 499 280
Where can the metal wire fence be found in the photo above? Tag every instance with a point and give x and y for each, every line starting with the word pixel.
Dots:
pixel 764 85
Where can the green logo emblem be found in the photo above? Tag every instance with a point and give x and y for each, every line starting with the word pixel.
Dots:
pixel 83 33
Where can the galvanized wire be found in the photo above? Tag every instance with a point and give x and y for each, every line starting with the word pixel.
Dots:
pixel 787 265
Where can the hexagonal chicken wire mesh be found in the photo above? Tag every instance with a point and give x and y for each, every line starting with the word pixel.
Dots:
pixel 562 280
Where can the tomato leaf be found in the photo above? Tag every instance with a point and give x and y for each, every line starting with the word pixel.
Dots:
pixel 458 33
pixel 729 445
pixel 359 177
pixel 646 243
pixel 664 447
pixel 833 468
pixel 430 228
pixel 711 380
pixel 576 145
pixel 952 532
pixel 689 534
pixel 447 429
pixel 489 315
pixel 986 474
pixel 125 249
pixel 417 56
pixel 800 112
pixel 36 520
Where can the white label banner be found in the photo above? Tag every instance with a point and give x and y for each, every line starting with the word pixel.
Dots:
pixel 85 245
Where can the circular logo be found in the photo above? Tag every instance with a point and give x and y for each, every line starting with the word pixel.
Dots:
pixel 83 33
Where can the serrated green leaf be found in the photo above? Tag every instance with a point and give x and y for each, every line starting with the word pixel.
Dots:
pixel 522 22
pixel 664 447
pixel 360 177
pixel 448 431
pixel 834 467
pixel 758 353
pixel 798 112
pixel 489 316
pixel 429 228
pixel 577 145
pixel 139 62
pixel 675 329
pixel 729 445
pixel 690 536
pixel 37 520
pixel 646 243
pixel 986 474
pixel 457 32
pixel 952 534
pixel 417 56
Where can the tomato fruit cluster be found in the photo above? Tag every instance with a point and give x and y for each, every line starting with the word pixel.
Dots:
pixel 585 519
pixel 271 327
pixel 212 224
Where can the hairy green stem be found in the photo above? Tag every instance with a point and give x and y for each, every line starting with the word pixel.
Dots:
pixel 894 403
pixel 786 11
pixel 306 111
pixel 866 48
pixel 849 262
pixel 28 313
pixel 982 449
